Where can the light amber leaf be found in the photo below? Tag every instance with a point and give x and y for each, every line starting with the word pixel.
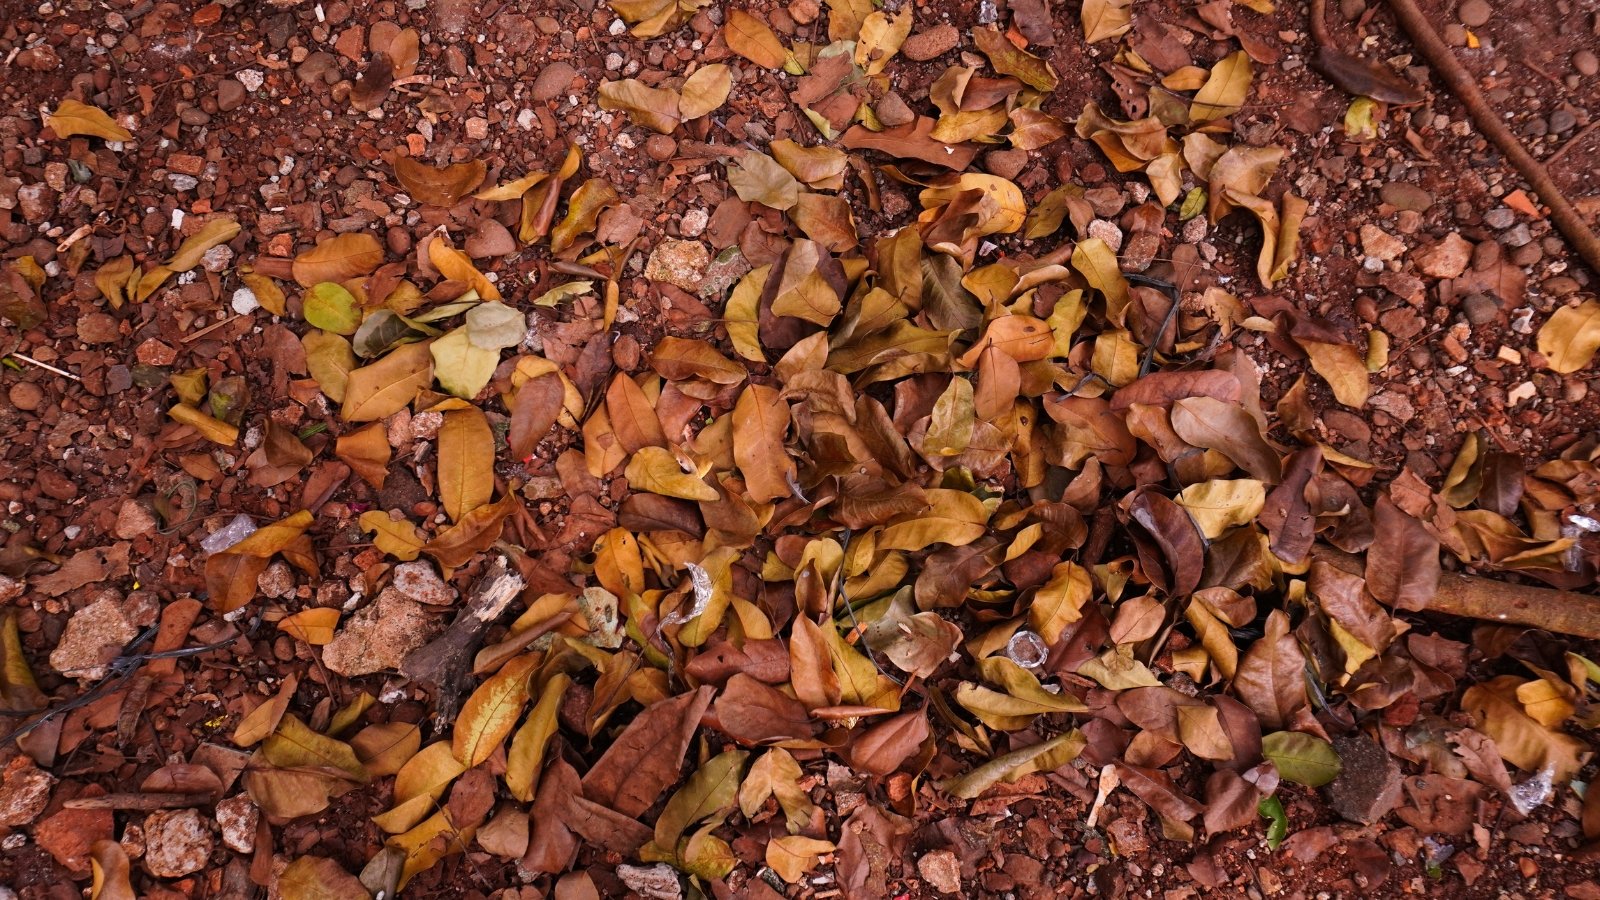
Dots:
pixel 466 462
pixel 338 259
pixel 954 517
pixel 457 545
pixel 438 186
pixel 705 91
pixel 112 280
pixel 1219 504
pixel 330 360
pixel 656 470
pixel 750 37
pixel 492 711
pixel 295 745
pixel 1106 19
pixel 111 872
pixel 383 388
pixel 1569 338
pixel 385 748
pixel 319 878
pixel 583 211
pixel 1225 91
pixel 366 451
pixel 655 108
pixel 74 118
pixel 397 537
pixel 419 782
pixel 758 178
pixel 217 231
pixel 793 855
pixel 263 720
pixel 760 420
pixel 457 266
pixel 314 626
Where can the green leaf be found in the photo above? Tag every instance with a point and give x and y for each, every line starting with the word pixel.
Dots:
pixel 1272 808
pixel 332 308
pixel 1301 758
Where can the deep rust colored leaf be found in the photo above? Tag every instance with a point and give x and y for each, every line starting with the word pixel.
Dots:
pixel 647 756
pixel 1403 561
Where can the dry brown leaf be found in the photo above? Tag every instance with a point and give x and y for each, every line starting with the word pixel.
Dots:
pixel 438 186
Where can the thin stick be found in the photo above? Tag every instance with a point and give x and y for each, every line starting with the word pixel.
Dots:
pixel 46 366
pixel 1566 219
pixel 212 327
pixel 1573 141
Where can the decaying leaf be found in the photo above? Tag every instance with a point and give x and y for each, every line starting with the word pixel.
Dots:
pixel 72 118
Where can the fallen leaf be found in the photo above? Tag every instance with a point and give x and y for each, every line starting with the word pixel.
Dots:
pixel 338 259
pixel 438 186
pixel 1301 758
pixel 314 626
pixel 383 388
pixel 466 462
pixel 1225 91
pixel 1569 338
pixel 705 91
pixel 793 855
pixel 655 108
pixel 74 118
pixel 1106 19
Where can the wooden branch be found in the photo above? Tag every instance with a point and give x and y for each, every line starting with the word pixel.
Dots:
pixel 1461 84
pixel 1489 600
pixel 443 663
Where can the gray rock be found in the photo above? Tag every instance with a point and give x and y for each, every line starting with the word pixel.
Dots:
pixel 1500 218
pixel 1480 309
pixel 1369 782
pixel 379 636
pixel 553 81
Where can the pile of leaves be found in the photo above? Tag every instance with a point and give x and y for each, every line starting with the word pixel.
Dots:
pixel 921 502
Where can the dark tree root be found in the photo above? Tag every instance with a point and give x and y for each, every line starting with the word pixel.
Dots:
pixel 1460 84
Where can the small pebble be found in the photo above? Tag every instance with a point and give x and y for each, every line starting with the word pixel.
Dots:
pixel 231 95
pixel 1474 13
pixel 26 396
pixel 1562 121
pixel 1586 62
pixel 1480 309
pixel 660 147
pixel 1500 218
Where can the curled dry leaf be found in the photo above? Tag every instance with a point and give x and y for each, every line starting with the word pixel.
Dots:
pixel 438 186
pixel 654 108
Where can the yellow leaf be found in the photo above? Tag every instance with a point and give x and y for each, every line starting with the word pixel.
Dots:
pixel 1225 91
pixel 881 38
pixel 429 842
pixel 294 745
pixel 526 757
pixel 583 212
pixel 462 367
pixel 263 720
pixel 466 462
pixel 492 711
pixel 1220 504
pixel 217 231
pixel 399 538
pixel 476 531
pixel 1569 338
pixel 793 855
pixel 383 388
pixel 330 360
pixel 705 91
pixel 512 190
pixel 456 265
pixel 72 117
pixel 213 429
pixel 419 782
pixel 314 626
pixel 1060 601
pixel 1097 263
pixel 656 470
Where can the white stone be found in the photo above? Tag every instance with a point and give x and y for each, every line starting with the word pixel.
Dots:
pixel 245 302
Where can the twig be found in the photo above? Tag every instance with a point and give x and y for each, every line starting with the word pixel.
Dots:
pixel 1460 83
pixel 46 366
pixel 1491 600
pixel 442 664
pixel 212 327
pixel 1573 141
